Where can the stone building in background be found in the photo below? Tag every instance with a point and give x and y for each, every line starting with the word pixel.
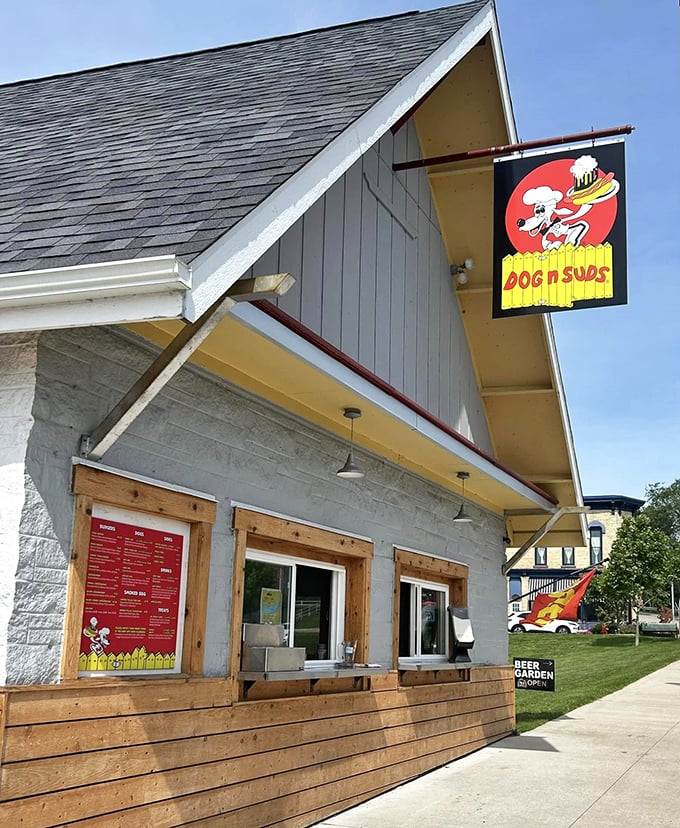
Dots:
pixel 552 568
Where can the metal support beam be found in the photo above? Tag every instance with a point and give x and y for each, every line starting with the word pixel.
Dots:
pixel 172 358
pixel 508 149
pixel 540 533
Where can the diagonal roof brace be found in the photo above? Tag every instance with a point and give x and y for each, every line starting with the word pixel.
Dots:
pixel 173 357
pixel 541 532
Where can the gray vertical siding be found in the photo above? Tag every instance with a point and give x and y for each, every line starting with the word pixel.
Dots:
pixel 373 280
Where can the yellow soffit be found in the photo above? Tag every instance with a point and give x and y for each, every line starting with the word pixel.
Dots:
pixel 259 365
pixel 514 358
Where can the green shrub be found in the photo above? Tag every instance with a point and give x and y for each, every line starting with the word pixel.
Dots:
pixel 600 628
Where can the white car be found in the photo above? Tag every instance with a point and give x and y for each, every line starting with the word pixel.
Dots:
pixel 516 624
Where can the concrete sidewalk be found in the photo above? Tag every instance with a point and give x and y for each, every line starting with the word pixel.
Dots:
pixel 615 762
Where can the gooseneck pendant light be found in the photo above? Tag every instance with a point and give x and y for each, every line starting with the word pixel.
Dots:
pixel 350 470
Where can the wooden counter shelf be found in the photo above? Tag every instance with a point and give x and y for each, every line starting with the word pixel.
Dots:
pixel 312 676
pixel 436 667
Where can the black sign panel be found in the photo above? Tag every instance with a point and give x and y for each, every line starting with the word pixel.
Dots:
pixel 560 231
pixel 534 674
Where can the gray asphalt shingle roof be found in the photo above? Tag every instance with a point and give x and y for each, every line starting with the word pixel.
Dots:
pixel 164 156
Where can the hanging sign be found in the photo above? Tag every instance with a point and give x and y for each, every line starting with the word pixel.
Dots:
pixel 134 596
pixel 560 231
pixel 534 674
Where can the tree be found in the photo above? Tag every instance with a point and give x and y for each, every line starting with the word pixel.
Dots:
pixel 662 507
pixel 663 510
pixel 638 572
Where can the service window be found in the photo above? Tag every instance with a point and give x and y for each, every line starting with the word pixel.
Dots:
pixel 424 587
pixel 305 596
pixel 423 628
pixel 313 581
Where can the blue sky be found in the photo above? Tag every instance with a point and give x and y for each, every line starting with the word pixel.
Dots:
pixel 572 66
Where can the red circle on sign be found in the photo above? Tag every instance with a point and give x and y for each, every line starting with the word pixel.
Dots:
pixel 556 182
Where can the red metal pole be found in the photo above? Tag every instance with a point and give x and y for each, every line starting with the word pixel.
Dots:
pixel 510 148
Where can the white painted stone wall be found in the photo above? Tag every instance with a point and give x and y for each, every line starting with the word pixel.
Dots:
pixel 18 356
pixel 203 434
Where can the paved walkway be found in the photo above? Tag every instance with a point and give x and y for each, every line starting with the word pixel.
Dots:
pixel 615 762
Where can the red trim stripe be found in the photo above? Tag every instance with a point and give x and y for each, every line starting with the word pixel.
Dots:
pixel 335 353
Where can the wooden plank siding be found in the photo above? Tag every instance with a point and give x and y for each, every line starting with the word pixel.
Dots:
pixel 178 751
pixel 373 279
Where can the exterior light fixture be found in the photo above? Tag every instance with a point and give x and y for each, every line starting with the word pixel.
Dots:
pixel 350 470
pixel 461 271
pixel 463 515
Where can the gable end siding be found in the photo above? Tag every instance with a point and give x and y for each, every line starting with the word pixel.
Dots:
pixel 373 280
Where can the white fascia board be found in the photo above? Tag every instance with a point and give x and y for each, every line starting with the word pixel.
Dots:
pixel 218 267
pixel 132 290
pixel 503 85
pixel 273 330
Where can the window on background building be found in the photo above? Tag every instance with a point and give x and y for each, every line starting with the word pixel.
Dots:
pixel 540 556
pixel 423 628
pixel 516 606
pixel 595 533
pixel 567 556
pixel 306 597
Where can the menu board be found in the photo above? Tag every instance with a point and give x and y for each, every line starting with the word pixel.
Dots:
pixel 134 594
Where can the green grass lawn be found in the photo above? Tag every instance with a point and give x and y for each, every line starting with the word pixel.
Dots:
pixel 587 667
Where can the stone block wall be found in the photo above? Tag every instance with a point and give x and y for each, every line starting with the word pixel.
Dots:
pixel 203 434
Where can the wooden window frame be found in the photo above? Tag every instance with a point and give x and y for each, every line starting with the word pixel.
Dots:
pixel 417 565
pixel 94 485
pixel 284 536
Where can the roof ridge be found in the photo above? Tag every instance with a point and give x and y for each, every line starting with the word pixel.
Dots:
pixel 224 47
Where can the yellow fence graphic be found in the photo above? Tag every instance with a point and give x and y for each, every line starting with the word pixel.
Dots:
pixel 138 659
pixel 557 278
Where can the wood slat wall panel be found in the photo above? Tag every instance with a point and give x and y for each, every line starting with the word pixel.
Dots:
pixel 113 698
pixel 282 769
pixel 53 739
pixel 282 797
pixel 162 712
pixel 289 762
pixel 104 698
pixel 31 777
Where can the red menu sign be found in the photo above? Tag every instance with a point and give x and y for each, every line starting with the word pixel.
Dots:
pixel 131 615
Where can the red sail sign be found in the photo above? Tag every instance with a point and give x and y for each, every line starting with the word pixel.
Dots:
pixel 548 606
pixel 133 610
pixel 559 231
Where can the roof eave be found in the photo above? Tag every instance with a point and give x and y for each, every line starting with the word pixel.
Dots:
pixel 129 290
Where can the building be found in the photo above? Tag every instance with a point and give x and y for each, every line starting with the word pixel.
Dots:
pixel 207 261
pixel 552 568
